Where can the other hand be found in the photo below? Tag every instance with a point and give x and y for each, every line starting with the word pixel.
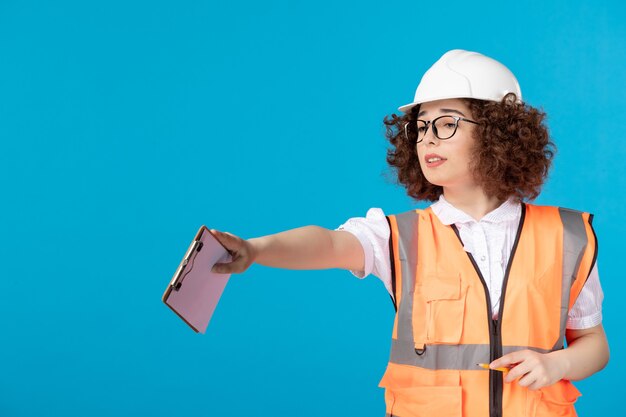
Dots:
pixel 534 370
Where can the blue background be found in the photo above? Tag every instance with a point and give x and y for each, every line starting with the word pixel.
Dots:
pixel 124 126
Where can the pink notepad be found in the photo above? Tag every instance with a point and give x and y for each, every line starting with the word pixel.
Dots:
pixel 194 290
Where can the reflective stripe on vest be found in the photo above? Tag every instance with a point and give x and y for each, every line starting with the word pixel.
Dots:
pixel 443 305
pixel 574 244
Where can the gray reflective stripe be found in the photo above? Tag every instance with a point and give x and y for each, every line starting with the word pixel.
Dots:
pixel 440 356
pixel 460 357
pixel 574 244
pixel 509 349
pixel 407 248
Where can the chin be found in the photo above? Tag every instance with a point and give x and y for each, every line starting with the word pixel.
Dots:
pixel 435 181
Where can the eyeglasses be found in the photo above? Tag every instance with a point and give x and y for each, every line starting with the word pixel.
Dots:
pixel 444 127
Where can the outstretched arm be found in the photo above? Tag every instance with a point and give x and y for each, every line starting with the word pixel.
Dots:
pixel 308 247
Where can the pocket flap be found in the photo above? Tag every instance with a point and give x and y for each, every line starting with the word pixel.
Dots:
pixel 439 401
pixel 442 287
pixel 561 392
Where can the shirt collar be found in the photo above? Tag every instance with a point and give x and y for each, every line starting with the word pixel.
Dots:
pixel 448 214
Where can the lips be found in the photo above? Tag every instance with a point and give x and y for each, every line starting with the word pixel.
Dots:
pixel 433 160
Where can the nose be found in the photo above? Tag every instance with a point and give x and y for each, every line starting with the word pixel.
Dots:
pixel 429 136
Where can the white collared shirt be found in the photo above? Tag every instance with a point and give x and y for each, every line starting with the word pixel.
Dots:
pixel 490 242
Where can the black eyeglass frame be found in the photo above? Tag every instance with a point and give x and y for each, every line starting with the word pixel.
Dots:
pixel 432 122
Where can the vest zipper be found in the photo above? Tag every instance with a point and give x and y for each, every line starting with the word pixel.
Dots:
pixel 499 376
pixel 497 385
pixel 494 411
pixel 496 379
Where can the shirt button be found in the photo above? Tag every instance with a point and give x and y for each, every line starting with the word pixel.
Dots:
pixel 482 258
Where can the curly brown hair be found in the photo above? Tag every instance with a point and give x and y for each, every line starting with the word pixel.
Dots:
pixel 512 155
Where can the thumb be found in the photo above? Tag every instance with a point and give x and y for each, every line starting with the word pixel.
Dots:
pixel 231 242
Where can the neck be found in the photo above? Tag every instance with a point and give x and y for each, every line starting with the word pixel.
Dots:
pixel 471 200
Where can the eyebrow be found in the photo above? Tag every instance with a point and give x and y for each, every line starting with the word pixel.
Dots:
pixel 423 112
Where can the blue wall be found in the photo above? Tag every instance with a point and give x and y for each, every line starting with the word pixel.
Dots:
pixel 124 126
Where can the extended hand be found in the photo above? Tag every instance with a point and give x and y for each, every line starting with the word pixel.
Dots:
pixel 242 252
pixel 536 369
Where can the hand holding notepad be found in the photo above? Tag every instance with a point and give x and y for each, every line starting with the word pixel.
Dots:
pixel 240 249
pixel 194 291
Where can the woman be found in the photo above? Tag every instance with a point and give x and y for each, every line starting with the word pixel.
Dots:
pixel 480 276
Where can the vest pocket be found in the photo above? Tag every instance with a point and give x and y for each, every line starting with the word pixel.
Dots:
pixel 411 391
pixel 445 308
pixel 442 401
pixel 555 400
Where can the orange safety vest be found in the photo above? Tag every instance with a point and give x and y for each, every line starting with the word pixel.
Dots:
pixel 443 325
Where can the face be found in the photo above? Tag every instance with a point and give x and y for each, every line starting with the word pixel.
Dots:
pixel 455 153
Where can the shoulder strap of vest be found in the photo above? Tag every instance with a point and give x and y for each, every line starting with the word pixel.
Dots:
pixel 580 248
pixel 394 298
pixel 579 253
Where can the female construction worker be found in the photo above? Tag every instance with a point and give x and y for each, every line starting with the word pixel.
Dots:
pixel 480 276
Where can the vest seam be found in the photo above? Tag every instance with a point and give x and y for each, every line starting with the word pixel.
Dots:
pixel 393 266
pixel 595 250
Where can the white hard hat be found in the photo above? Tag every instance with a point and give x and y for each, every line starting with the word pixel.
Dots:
pixel 460 74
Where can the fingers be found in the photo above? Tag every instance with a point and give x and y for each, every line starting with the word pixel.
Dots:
pixel 227 267
pixel 238 248
pixel 506 360
pixel 517 371
pixel 515 361
pixel 234 267
pixel 533 381
pixel 526 367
